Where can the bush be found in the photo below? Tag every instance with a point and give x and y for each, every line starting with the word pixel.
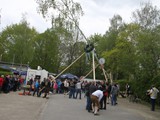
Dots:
pixel 5 73
pixel 122 84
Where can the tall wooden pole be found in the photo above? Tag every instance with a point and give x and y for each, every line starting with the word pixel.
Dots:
pixel 105 75
pixel 90 71
pixel 94 75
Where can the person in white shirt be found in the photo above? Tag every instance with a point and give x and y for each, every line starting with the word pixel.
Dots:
pixel 153 95
pixel 95 98
pixel 66 87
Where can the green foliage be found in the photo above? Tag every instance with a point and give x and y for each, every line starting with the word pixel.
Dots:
pixel 17 43
pixel 64 15
pixel 5 73
pixel 46 51
pixel 132 51
pixel 122 84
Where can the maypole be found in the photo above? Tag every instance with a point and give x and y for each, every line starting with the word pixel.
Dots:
pixel 71 12
pixel 104 74
pixel 90 71
pixel 93 65
pixel 101 62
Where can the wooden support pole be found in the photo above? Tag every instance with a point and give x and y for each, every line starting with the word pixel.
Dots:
pixel 94 75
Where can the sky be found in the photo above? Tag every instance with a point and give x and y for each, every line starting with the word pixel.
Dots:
pixel 96 18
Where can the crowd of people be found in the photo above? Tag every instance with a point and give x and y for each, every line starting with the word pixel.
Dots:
pixel 10 83
pixel 97 94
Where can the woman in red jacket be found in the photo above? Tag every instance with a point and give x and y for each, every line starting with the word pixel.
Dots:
pixel 1 82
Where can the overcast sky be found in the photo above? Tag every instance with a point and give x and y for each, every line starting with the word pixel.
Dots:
pixel 95 20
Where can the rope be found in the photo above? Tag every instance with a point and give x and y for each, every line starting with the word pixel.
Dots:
pixel 65 69
pixel 90 71
pixel 70 65
pixel 105 74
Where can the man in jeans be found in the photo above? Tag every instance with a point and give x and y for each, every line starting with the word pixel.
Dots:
pixel 153 95
pixel 36 87
pixel 114 92
pixel 78 89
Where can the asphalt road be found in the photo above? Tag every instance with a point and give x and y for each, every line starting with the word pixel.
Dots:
pixel 58 107
pixel 20 107
pixel 63 108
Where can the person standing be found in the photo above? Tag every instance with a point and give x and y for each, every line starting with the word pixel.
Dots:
pixel 6 84
pixel 108 91
pixel 72 89
pixel 92 88
pixel 114 92
pixel 42 86
pixel 78 89
pixel 36 87
pixel 66 87
pixel 127 90
pixel 30 83
pixel 103 100
pixel 47 88
pixel 87 95
pixel 153 96
pixel 55 87
pixel 1 83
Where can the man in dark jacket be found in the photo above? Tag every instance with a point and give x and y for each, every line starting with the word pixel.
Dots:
pixel 47 88
pixel 92 88
pixel 42 86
